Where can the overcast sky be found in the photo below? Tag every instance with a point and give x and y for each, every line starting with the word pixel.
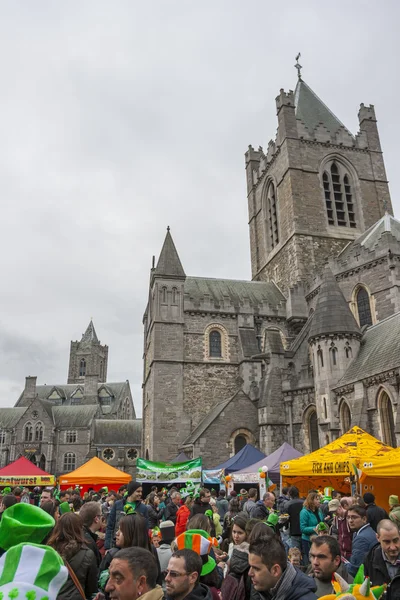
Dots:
pixel 120 118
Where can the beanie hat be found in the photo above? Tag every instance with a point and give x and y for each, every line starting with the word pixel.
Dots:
pixel 333 505
pixel 368 498
pixel 64 508
pixel 133 486
pixel 198 541
pixel 167 529
pixel 393 500
pixel 209 513
pixel 31 571
pixel 6 490
pixel 273 519
pixel 22 523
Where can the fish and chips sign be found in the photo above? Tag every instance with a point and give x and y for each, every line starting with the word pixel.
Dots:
pixel 331 468
pixel 160 472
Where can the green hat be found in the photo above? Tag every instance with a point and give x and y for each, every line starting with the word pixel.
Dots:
pixel 6 490
pixel 24 523
pixel 64 508
pixel 209 513
pixel 31 571
pixel 201 544
pixel 273 519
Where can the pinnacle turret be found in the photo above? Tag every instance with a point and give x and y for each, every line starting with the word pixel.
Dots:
pixel 90 335
pixel 169 263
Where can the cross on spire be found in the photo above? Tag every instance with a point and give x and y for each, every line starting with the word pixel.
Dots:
pixel 298 66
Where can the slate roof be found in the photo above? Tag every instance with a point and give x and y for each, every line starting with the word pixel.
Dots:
pixel 311 110
pixel 248 342
pixel 371 238
pixel 74 416
pixel 206 422
pixel 109 432
pixel 332 313
pixel 169 263
pixel 256 292
pixel 9 417
pixel 379 352
pixel 90 335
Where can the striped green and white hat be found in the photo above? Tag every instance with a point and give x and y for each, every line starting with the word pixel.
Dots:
pixel 31 572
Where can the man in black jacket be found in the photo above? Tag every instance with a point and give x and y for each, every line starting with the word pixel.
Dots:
pixel 90 515
pixel 382 563
pixel 202 504
pixel 293 508
pixel 263 507
pixel 374 513
pixel 172 507
pixel 273 576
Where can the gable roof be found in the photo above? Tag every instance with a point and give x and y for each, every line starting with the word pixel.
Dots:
pixel 379 351
pixel 206 422
pixel 169 263
pixel 332 314
pixel 310 109
pixel 371 238
pixel 9 417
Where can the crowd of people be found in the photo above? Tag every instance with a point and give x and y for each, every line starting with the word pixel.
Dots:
pixel 191 544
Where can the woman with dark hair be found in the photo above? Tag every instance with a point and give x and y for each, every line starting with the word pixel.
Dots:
pixel 153 513
pixel 199 521
pixel 238 565
pixel 67 539
pixel 310 517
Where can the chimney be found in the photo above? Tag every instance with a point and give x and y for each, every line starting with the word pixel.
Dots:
pixel 30 388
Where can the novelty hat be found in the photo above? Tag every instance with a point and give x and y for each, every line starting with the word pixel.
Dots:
pixel 200 542
pixel 64 508
pixel 6 490
pixel 24 523
pixel 31 571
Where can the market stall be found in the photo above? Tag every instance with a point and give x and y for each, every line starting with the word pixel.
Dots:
pixel 247 456
pixel 381 476
pixel 273 461
pixel 335 465
pixel 161 472
pixel 22 472
pixel 95 473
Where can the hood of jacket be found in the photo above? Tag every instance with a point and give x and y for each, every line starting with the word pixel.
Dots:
pixel 239 561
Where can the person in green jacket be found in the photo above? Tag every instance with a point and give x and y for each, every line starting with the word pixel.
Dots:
pixel 310 517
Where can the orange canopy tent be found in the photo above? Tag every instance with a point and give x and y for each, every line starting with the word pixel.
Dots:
pixel 95 473
pixel 334 465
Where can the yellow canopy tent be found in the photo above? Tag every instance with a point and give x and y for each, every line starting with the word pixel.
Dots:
pixel 95 473
pixel 332 465
pixel 381 475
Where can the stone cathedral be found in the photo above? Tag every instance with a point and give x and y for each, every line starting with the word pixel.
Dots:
pixel 311 344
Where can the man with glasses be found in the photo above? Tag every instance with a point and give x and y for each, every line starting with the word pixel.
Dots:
pixel 364 538
pixel 90 515
pixel 182 577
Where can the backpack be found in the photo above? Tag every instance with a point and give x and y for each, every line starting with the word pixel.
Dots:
pixel 233 588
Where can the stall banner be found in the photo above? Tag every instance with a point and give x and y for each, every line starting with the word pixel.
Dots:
pixel 212 476
pixel 160 472
pixel 22 480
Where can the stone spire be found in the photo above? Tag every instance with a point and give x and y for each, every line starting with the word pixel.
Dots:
pixel 332 314
pixel 90 335
pixel 169 264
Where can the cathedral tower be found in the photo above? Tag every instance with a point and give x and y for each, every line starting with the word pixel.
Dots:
pixel 315 189
pixel 88 357
pixel 164 421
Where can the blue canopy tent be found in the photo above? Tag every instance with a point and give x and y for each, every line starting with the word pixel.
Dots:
pixel 250 474
pixel 180 458
pixel 245 457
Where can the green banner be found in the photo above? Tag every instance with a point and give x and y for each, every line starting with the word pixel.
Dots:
pixel 159 472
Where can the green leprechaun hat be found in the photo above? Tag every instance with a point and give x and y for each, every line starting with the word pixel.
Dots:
pixel 200 542
pixel 24 523
pixel 30 571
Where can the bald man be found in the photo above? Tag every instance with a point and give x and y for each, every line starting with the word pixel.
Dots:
pixel 382 563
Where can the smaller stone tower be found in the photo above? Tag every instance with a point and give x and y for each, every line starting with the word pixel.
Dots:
pixel 334 341
pixel 88 357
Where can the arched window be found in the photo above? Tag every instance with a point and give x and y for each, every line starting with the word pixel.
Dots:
pixel 38 432
pixel 28 432
pixel 101 371
pixel 240 442
pixel 320 357
pixel 82 368
pixel 333 352
pixel 313 431
pixel 174 295
pixel 215 346
pixel 69 461
pixel 345 417
pixel 348 350
pixel 42 462
pixel 363 307
pixel 386 418
pixel 164 295
pixel 272 216
pixel 338 194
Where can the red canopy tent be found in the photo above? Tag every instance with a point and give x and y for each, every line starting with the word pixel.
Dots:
pixel 22 472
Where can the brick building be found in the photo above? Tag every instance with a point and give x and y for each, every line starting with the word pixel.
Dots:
pixel 311 345
pixel 59 427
